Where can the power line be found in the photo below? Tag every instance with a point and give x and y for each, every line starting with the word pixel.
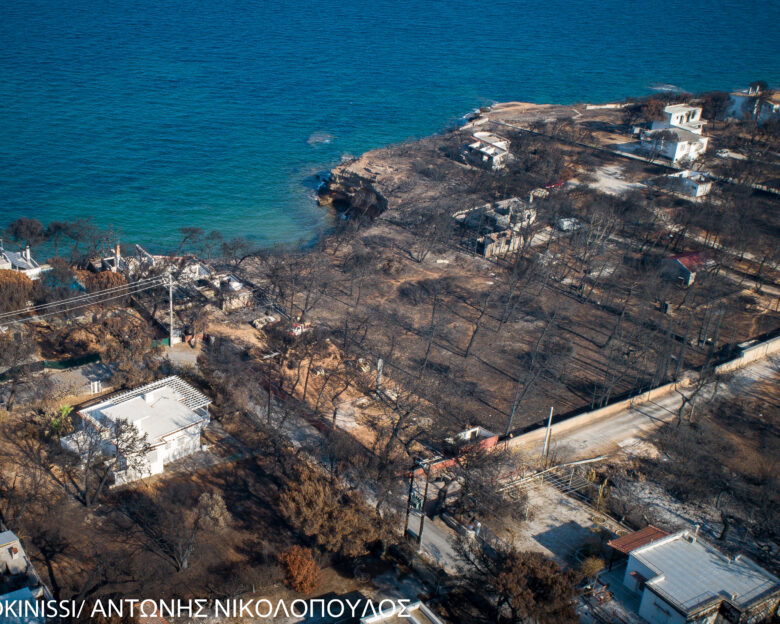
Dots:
pixel 83 302
pixel 88 296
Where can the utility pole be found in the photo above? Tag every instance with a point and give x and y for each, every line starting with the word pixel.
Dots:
pixel 170 306
pixel 514 409
pixel 268 371
pixel 409 500
pixel 422 507
pixel 270 394
pixel 547 436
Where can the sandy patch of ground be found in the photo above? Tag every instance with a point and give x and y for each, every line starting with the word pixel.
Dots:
pixel 611 179
pixel 557 525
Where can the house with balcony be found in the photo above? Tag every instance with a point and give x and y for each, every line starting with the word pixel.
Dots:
pixel 681 116
pixel 678 136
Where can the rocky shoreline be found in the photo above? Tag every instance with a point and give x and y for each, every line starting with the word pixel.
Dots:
pixel 388 178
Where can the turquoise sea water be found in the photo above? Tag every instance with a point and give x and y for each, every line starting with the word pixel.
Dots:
pixel 149 115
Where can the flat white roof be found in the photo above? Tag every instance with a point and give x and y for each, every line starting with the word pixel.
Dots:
pixel 682 134
pixel 497 143
pixel 680 108
pixel 157 409
pixel 690 573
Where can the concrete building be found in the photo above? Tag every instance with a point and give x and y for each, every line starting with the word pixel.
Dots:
pixel 681 116
pixel 681 579
pixel 114 263
pixel 487 150
pixel 678 136
pixel 222 289
pixel 512 213
pixel 169 412
pixel 683 267
pixel 233 293
pixel 498 244
pixel 690 183
pixel 21 261
pixel 755 103
pixel 497 225
pixel 676 144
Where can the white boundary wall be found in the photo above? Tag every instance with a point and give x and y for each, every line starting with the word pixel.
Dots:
pixel 749 355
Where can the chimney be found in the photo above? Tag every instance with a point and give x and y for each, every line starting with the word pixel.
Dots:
pixel 696 533
pixel 27 255
pixel 117 257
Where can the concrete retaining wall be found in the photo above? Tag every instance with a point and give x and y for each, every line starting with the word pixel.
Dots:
pixel 537 435
pixel 751 354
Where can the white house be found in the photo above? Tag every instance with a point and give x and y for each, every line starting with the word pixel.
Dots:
pixel 681 579
pixel 681 116
pixel 488 150
pixel 21 261
pixel 678 136
pixel 690 183
pixel 169 412
pixel 754 102
pixel 676 144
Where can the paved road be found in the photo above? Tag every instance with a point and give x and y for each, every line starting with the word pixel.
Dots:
pixel 629 427
pixel 438 541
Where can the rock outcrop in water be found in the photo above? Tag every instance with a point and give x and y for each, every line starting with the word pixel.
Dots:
pixel 352 193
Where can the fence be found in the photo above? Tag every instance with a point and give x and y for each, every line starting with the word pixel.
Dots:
pixel 90 358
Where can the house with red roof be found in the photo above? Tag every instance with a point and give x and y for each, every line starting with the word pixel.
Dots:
pixel 682 268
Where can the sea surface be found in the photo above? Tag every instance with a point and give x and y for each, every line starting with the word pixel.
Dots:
pixel 150 115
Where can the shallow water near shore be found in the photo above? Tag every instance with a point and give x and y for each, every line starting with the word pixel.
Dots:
pixel 149 116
